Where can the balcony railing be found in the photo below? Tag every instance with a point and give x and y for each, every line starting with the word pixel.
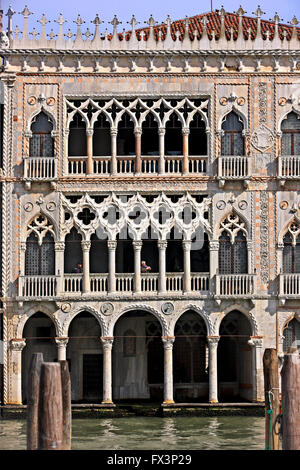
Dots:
pixel 234 168
pixel 200 282
pixel 73 283
pixel 149 282
pixel 40 168
pixel 289 167
pixel 289 285
pixel 235 285
pixel 37 286
pixel 126 165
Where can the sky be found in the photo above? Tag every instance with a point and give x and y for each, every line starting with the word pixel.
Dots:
pixel 160 9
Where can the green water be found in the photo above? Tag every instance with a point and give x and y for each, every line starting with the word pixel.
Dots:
pixel 180 433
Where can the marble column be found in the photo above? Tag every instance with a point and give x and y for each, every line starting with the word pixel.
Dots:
pixel 186 244
pixel 257 368
pixel 137 246
pixel 112 246
pixel 62 348
pixel 185 137
pixel 66 151
pixel 168 342
pixel 161 133
pixel 22 268
pixel 213 368
pixel 89 144
pixel 162 246
pixel 107 343
pixel 15 363
pixel 138 149
pixel 86 245
pixel 59 266
pixel 113 134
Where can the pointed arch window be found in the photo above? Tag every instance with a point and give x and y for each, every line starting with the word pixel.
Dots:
pixel 291 249
pixel 291 334
pixel 173 136
pixel 77 146
pixel 150 139
pixel 40 258
pixel 232 135
pixel 233 252
pixel 126 137
pixel 197 136
pixel 101 137
pixel 290 128
pixel 41 142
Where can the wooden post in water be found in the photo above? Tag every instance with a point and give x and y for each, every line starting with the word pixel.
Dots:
pixel 33 390
pixel 66 404
pixel 290 386
pixel 50 408
pixel 272 402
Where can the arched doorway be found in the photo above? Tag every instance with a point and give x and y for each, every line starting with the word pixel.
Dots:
pixel 85 357
pixel 235 358
pixel 39 332
pixel 138 357
pixel 190 361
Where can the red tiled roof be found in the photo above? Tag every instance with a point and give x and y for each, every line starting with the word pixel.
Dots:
pixel 214 24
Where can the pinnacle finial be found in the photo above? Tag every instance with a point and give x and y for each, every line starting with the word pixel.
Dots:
pixel 60 20
pixel 222 11
pixel 43 20
pixel 115 22
pixel 10 12
pixel 97 20
pixel 276 18
pixel 240 11
pixel 79 21
pixel 294 21
pixel 258 12
pixel 133 22
pixel 168 21
pixel 151 22
pixel 26 13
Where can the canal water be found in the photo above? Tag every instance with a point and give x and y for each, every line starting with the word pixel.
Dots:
pixel 180 433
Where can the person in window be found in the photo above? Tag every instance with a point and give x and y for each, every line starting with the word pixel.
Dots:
pixel 144 267
pixel 78 268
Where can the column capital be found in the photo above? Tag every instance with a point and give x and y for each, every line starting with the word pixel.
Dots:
pixel 214 245
pixel 162 244
pixel 213 340
pixel 85 245
pixel 62 342
pixel 107 341
pixel 113 131
pixel 18 344
pixel 185 131
pixel 138 131
pixel 161 131
pixel 23 246
pixel 186 245
pixel 256 341
pixel 89 131
pixel 280 245
pixel 59 246
pixel 66 131
pixel 112 244
pixel 168 341
pixel 137 245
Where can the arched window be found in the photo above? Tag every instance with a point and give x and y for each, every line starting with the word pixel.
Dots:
pixel 40 259
pixel 232 138
pixel 233 253
pixel 290 142
pixel 291 249
pixel 173 136
pixel 73 251
pixel 291 334
pixel 101 137
pixel 126 137
pixel 41 142
pixel 197 137
pixel 77 137
pixel 150 139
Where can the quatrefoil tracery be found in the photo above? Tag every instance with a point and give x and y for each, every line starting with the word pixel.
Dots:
pixel 232 225
pixel 293 230
pixel 40 226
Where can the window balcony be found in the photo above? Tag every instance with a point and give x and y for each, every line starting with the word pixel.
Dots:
pixel 234 168
pixel 149 164
pixel 235 286
pixel 40 169
pixel 288 168
pixel 289 287
pixel 37 287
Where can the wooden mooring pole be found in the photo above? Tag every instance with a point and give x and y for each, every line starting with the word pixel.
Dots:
pixel 290 386
pixel 66 405
pixel 33 391
pixel 272 402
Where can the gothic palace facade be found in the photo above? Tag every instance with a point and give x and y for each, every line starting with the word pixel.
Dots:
pixel 150 204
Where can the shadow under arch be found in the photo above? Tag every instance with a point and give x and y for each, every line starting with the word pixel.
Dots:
pixel 138 356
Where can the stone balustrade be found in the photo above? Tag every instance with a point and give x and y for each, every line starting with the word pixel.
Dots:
pixel 289 285
pixel 40 168
pixel 288 167
pixel 235 285
pixel 37 286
